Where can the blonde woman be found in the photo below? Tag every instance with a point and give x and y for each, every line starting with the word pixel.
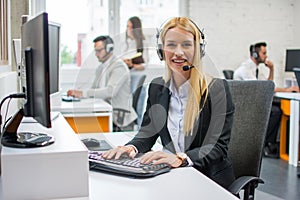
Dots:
pixel 190 112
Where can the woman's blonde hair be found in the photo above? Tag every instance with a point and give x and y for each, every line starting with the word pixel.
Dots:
pixel 198 84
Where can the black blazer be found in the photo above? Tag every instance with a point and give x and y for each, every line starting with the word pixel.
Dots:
pixel 207 146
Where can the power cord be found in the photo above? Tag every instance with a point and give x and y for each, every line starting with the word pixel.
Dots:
pixel 11 96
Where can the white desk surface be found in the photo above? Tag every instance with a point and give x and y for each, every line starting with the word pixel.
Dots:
pixel 180 183
pixel 294 125
pixel 84 106
pixel 51 163
pixel 288 95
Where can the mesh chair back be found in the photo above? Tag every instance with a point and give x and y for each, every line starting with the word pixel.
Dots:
pixel 252 101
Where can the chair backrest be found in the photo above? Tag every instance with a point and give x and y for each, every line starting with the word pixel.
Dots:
pixel 228 74
pixel 252 100
pixel 137 81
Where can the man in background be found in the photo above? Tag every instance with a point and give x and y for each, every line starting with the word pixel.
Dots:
pixel 111 83
pixel 249 70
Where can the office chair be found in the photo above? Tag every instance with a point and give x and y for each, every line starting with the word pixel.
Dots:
pixel 137 81
pixel 252 100
pixel 228 74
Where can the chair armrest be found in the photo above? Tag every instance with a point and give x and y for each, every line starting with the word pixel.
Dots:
pixel 243 181
pixel 121 114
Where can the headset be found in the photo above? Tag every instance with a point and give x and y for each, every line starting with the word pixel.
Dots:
pixel 159 48
pixel 109 44
pixel 254 53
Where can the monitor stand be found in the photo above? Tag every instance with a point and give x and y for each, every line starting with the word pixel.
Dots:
pixel 11 138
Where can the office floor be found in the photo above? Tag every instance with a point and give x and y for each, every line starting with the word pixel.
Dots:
pixel 281 181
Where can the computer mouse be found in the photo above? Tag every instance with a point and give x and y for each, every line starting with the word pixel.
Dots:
pixel 91 142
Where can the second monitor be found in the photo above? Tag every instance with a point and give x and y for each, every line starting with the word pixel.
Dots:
pixel 292 59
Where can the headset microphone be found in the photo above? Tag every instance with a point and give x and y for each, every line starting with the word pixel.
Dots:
pixel 187 67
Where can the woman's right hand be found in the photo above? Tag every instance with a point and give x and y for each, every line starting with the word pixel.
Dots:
pixel 117 152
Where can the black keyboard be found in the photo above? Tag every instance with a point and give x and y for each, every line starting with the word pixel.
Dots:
pixel 125 166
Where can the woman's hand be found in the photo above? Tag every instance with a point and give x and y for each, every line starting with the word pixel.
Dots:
pixel 119 151
pixel 158 157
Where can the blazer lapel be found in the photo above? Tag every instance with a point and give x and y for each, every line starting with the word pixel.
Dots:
pixel 163 99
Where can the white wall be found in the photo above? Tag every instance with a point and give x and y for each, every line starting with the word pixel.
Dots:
pixel 230 27
pixel 297 23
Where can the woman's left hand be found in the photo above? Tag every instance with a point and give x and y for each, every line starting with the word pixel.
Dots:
pixel 128 62
pixel 158 157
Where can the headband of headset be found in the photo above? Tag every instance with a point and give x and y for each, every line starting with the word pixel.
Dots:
pixel 159 47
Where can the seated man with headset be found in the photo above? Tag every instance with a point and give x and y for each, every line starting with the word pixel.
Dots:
pixel 111 82
pixel 249 70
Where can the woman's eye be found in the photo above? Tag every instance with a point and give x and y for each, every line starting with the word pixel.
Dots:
pixel 186 44
pixel 171 45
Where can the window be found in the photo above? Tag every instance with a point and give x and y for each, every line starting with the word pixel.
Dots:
pixel 82 20
pixel 152 13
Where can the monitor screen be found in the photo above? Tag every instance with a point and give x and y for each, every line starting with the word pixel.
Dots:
pixel 54 56
pixel 292 59
pixel 35 44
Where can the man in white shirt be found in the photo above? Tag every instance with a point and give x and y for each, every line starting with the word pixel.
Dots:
pixel 250 70
pixel 111 83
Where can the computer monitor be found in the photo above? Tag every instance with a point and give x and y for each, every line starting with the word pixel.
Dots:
pixel 292 59
pixel 35 53
pixel 54 65
pixel 54 62
pixel 54 56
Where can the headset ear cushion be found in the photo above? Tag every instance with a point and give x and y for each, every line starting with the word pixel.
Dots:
pixel 202 50
pixel 109 48
pixel 254 55
pixel 160 52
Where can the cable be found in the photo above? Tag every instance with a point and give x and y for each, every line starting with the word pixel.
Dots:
pixel 15 96
pixel 7 108
pixel 5 123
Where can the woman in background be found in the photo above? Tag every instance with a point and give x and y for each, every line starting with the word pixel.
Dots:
pixel 134 43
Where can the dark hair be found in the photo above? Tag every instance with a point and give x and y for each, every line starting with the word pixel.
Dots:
pixel 137 33
pixel 256 47
pixel 105 38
